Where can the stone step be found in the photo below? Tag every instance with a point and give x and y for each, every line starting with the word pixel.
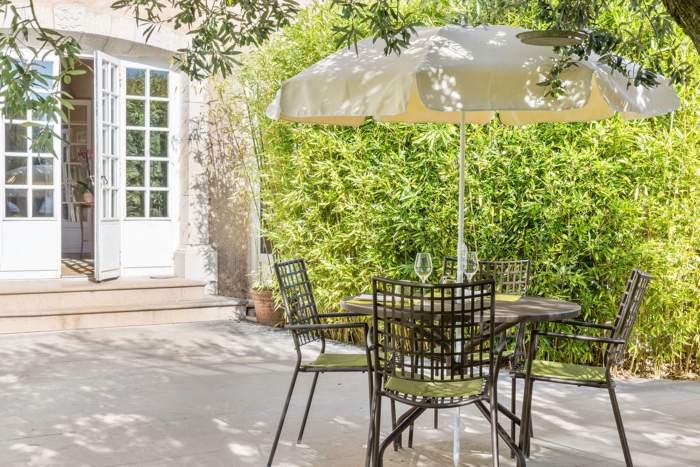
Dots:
pixel 42 295
pixel 173 311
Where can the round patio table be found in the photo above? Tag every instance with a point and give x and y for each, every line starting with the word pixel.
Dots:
pixel 508 313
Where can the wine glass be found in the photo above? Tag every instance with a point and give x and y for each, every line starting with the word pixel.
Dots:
pixel 423 266
pixel 471 265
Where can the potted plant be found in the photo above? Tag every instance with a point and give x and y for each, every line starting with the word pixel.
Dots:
pixel 265 310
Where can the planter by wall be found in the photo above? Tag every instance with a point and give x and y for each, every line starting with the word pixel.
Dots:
pixel 265 312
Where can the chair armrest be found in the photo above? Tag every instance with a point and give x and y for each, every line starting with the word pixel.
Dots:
pixel 323 327
pixel 578 337
pixel 585 324
pixel 342 314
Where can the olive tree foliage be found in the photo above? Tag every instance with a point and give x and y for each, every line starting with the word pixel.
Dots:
pixel 220 29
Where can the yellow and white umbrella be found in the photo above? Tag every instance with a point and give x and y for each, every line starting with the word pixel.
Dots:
pixel 455 74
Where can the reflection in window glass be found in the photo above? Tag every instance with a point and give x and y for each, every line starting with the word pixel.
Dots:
pixel 46 80
pixel 135 112
pixel 15 170
pixel 15 138
pixel 159 174
pixel 159 83
pixel 159 203
pixel 159 144
pixel 135 171
pixel 42 171
pixel 135 204
pixel 15 202
pixel 42 203
pixel 135 143
pixel 135 82
pixel 159 114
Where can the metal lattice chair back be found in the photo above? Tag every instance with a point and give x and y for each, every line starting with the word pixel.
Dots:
pixel 298 298
pixel 511 276
pixel 627 313
pixel 433 333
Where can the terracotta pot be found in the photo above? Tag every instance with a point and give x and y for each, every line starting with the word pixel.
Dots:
pixel 88 197
pixel 265 312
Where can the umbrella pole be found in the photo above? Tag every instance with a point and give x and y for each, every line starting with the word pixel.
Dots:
pixel 460 216
pixel 460 274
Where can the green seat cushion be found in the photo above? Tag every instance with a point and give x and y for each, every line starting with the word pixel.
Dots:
pixel 418 388
pixel 337 360
pixel 568 371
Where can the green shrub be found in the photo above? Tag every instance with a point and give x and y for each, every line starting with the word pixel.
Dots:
pixel 585 202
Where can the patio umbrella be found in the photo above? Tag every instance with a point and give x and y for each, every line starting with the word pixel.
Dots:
pixel 455 74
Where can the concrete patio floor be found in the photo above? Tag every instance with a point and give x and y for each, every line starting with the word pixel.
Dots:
pixel 209 394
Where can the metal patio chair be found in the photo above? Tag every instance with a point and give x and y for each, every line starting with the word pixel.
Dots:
pixel 587 375
pixel 306 327
pixel 511 277
pixel 436 348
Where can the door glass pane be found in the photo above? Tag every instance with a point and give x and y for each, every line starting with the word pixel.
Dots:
pixel 159 174
pixel 135 112
pixel 15 170
pixel 135 173
pixel 159 144
pixel 159 83
pixel 136 143
pixel 159 114
pixel 115 195
pixel 159 203
pixel 42 203
pixel 135 204
pixel 113 142
pixel 15 138
pixel 15 202
pixel 136 82
pixel 42 171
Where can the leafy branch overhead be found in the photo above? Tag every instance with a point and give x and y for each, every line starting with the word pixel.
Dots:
pixel 220 30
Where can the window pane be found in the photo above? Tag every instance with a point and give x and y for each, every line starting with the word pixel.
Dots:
pixel 159 144
pixel 42 203
pixel 15 138
pixel 15 203
pixel 159 203
pixel 159 174
pixel 159 83
pixel 15 170
pixel 42 139
pixel 159 114
pixel 135 173
pixel 135 81
pixel 42 171
pixel 78 114
pixel 135 112
pixel 135 143
pixel 46 70
pixel 135 204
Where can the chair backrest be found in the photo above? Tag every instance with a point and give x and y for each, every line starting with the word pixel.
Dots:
pixel 298 298
pixel 511 277
pixel 627 313
pixel 433 332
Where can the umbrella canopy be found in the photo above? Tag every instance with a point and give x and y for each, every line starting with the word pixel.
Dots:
pixel 456 74
pixel 481 71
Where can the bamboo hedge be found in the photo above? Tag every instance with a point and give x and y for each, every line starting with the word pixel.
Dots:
pixel 585 202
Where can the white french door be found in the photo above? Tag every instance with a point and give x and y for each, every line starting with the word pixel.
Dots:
pixel 109 136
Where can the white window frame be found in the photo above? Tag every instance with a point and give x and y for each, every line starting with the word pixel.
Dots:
pixel 29 155
pixel 148 129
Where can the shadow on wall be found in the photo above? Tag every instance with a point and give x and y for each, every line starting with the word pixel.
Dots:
pixel 223 150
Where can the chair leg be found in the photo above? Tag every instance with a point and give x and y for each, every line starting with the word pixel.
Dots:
pixel 410 436
pixel 376 461
pixel 524 438
pixel 284 414
pixel 368 455
pixel 397 443
pixel 308 406
pixel 493 401
pixel 435 419
pixel 513 393
pixel 620 426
